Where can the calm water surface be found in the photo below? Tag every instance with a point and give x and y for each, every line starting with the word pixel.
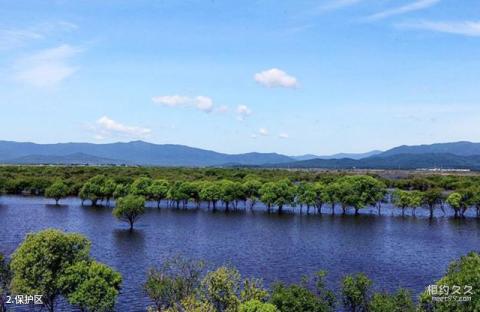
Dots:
pixel 393 251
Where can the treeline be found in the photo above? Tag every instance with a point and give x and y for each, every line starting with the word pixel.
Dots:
pixel 349 192
pixel 234 189
pixel 35 179
pixel 57 265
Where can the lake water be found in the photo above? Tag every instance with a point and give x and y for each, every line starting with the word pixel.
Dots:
pixel 393 251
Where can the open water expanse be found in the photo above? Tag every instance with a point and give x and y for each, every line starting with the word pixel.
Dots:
pixel 393 251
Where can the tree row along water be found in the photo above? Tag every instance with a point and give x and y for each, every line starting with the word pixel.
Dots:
pixel 241 189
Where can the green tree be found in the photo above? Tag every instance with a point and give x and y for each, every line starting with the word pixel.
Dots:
pixel 228 192
pixel 280 194
pixel 179 192
pixel 297 298
pixel 321 195
pixel 5 278
pixel 158 190
pixel 194 189
pixel 193 304
pixel 355 292
pixel 251 188
pixel 463 273
pixel 210 192
pixel 401 199
pixel 431 199
pixel 108 189
pixel 129 209
pixel 90 285
pixel 176 281
pixel 57 191
pixel 221 287
pixel 456 202
pixel 253 290
pixel 344 193
pixel 140 187
pixel 415 200
pixel 268 194
pixel 93 189
pixel 331 191
pixel 326 296
pixel 257 306
pixel 306 195
pixel 121 190
pixel 40 261
pixel 475 199
pixel 401 301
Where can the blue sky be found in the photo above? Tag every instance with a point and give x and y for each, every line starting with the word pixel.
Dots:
pixel 292 77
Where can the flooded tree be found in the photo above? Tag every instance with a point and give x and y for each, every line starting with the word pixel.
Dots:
pixel 431 199
pixel 57 191
pixel 129 209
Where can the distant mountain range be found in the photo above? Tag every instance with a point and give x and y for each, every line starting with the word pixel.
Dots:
pixel 338 156
pixel 396 161
pixel 131 153
pixel 456 155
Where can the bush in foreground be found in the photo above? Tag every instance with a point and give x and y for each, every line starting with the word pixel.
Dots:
pixel 53 264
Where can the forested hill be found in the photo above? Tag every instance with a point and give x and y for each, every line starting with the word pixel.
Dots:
pixel 462 148
pixel 131 153
pixel 398 161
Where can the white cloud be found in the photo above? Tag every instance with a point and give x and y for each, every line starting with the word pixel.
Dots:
pixel 171 100
pixel 283 135
pixel 275 77
pixel 465 28
pixel 106 127
pixel 411 7
pixel 203 103
pixel 243 112
pixel 46 68
pixel 263 131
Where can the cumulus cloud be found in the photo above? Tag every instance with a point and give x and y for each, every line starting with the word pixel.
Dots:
pixel 465 28
pixel 106 127
pixel 407 8
pixel 275 77
pixel 283 135
pixel 243 112
pixel 203 103
pixel 46 68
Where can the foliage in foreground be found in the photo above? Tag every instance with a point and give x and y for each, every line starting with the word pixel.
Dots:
pixel 54 264
pixel 5 277
pixel 185 286
pixel 463 274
